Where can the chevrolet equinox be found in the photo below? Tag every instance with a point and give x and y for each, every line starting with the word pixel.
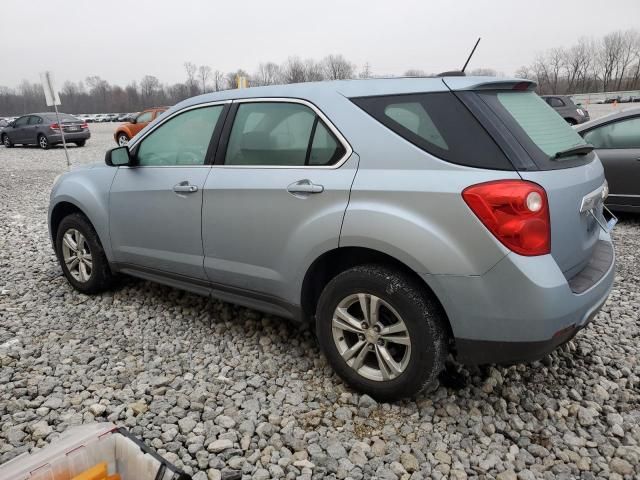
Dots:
pixel 407 219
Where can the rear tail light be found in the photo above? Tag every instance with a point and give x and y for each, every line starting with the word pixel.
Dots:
pixel 516 212
pixel 84 125
pixel 54 126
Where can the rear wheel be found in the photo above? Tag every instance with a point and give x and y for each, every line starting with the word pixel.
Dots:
pixel 6 141
pixel 123 139
pixel 381 331
pixel 43 142
pixel 81 255
pixel 81 143
pixel 571 121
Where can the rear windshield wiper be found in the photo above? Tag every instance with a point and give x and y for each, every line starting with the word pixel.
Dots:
pixel 577 150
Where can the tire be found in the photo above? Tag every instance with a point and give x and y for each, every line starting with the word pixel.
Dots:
pixel 99 276
pixel 81 143
pixel 571 121
pixel 43 142
pixel 402 302
pixel 6 141
pixel 122 139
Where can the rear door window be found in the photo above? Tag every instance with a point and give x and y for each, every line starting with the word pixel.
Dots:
pixel 621 134
pixel 439 124
pixel 281 134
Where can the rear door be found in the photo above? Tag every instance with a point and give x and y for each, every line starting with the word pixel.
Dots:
pixel 156 206
pixel 32 129
pixel 276 197
pixel 618 146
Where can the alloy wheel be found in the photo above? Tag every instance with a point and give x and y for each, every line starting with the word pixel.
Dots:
pixel 77 255
pixel 43 142
pixel 371 337
pixel 123 140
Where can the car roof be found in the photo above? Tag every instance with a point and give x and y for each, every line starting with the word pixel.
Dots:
pixel 624 113
pixel 359 88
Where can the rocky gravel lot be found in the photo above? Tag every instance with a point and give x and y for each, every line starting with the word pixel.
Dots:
pixel 227 392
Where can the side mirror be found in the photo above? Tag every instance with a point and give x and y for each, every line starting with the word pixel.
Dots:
pixel 118 157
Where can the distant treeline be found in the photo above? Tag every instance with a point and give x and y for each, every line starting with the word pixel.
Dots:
pixel 611 63
pixel 592 65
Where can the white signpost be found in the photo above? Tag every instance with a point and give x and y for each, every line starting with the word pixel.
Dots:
pixel 53 100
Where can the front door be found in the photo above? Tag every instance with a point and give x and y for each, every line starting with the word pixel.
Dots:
pixel 156 205
pixel 19 132
pixel 276 197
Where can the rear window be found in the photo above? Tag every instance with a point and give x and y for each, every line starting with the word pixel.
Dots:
pixel 439 124
pixel 537 127
pixel 548 130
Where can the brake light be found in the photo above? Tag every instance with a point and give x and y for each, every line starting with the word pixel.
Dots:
pixel 84 125
pixel 54 126
pixel 516 212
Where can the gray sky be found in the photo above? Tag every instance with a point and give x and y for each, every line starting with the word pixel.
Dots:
pixel 122 40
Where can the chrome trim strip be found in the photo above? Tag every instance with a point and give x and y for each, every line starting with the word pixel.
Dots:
pixel 621 195
pixel 131 145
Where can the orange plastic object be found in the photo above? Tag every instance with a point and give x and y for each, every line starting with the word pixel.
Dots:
pixel 98 472
pixel 115 476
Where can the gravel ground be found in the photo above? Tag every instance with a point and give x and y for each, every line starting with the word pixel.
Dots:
pixel 219 389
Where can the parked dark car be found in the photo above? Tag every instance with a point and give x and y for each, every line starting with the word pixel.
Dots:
pixel 617 141
pixel 43 129
pixel 563 104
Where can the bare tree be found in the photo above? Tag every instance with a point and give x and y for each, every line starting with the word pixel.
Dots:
pixel 192 83
pixel 414 72
pixel 366 71
pixel 336 67
pixel 218 80
pixel 204 73
pixel 268 74
pixel 314 71
pixel 294 71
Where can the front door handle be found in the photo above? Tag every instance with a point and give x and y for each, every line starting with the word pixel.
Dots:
pixel 185 187
pixel 305 186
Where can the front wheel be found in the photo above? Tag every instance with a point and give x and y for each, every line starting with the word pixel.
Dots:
pixel 43 142
pixel 6 141
pixel 123 140
pixel 81 255
pixel 381 331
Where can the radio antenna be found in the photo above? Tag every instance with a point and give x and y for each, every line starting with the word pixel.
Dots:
pixel 471 55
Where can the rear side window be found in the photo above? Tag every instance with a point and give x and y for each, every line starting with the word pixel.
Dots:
pixel 144 117
pixel 621 134
pixel 439 124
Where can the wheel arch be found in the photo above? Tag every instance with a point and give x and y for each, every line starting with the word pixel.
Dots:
pixel 337 260
pixel 59 212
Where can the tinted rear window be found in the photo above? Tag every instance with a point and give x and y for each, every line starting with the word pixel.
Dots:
pixel 548 130
pixel 540 130
pixel 439 124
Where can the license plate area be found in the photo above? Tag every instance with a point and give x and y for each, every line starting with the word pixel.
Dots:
pixel 606 224
pixel 590 204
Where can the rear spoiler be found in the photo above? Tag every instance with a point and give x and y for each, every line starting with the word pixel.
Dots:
pixel 459 83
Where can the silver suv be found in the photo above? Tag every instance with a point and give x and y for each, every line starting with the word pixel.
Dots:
pixel 406 219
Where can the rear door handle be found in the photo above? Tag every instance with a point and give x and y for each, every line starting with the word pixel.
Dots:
pixel 185 187
pixel 305 186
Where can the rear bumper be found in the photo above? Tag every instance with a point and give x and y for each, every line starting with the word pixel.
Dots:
pixel 520 310
pixel 69 136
